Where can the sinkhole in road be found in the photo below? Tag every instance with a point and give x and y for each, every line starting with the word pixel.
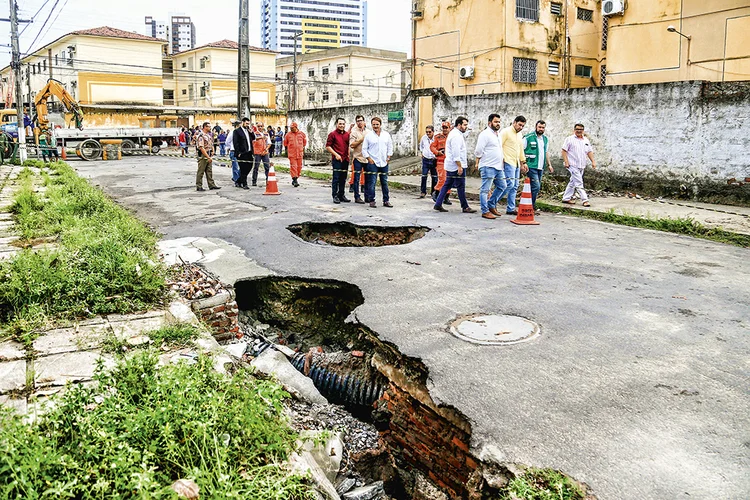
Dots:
pixel 423 441
pixel 347 234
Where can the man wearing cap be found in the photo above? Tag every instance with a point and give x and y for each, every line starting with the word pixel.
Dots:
pixel 295 141
pixel 438 149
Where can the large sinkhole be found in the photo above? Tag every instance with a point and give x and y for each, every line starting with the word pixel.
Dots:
pixel 352 366
pixel 346 234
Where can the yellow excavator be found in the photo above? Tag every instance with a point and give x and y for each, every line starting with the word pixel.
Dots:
pixel 54 88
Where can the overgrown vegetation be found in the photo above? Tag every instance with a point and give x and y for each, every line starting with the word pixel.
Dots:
pixel 171 336
pixel 103 259
pixel 541 484
pixel 140 429
pixel 686 226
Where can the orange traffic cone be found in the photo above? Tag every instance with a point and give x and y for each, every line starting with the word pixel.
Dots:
pixel 272 186
pixel 361 177
pixel 525 207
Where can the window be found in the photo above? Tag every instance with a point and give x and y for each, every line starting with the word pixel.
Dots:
pixel 290 75
pixel 585 15
pixel 325 71
pixel 583 71
pixel 340 95
pixel 33 69
pixel 527 9
pixel 203 91
pixel 340 69
pixel 311 97
pixel 184 65
pixel 605 32
pixel 56 61
pixel 603 75
pixel 325 95
pixel 184 91
pixel 203 63
pixel 310 72
pixel 555 9
pixel 44 65
pixel 524 70
pixel 553 68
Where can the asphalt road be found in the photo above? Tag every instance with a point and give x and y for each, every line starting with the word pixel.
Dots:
pixel 637 385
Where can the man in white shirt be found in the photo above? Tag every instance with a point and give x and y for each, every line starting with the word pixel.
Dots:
pixel 229 145
pixel 429 161
pixel 455 166
pixel 489 153
pixel 377 149
pixel 575 150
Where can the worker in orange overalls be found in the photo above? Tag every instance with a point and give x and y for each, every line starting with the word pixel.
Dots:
pixel 438 149
pixel 295 141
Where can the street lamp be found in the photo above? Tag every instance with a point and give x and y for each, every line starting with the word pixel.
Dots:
pixel 672 29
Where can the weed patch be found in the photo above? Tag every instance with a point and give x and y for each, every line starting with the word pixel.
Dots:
pixel 172 336
pixel 105 261
pixel 141 429
pixel 541 484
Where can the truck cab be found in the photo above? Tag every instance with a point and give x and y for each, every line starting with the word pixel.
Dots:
pixel 9 123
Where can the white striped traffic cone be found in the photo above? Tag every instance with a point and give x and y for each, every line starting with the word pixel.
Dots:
pixel 525 207
pixel 272 186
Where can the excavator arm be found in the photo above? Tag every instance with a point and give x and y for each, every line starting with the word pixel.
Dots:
pixel 55 88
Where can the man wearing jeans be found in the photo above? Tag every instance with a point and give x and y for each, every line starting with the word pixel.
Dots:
pixel 455 166
pixel 356 139
pixel 535 149
pixel 229 144
pixel 429 161
pixel 489 153
pixel 378 149
pixel 514 161
pixel 338 145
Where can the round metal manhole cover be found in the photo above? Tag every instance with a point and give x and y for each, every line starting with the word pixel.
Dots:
pixel 494 329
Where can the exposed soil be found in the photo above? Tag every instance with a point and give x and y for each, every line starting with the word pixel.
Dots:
pixel 346 234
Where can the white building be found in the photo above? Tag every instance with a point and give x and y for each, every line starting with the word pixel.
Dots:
pixel 325 24
pixel 346 76
pixel 180 31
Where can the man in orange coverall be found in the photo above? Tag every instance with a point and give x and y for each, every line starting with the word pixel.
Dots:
pixel 438 149
pixel 295 141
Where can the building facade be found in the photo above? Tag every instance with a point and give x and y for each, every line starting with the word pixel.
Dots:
pixel 709 41
pixel 156 29
pixel 345 76
pixel 494 46
pixel 206 76
pixel 323 24
pixel 96 66
pixel 180 32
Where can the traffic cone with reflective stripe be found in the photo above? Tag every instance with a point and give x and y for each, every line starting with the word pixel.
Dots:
pixel 361 177
pixel 272 186
pixel 525 207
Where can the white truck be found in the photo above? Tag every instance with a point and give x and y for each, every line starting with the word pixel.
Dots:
pixel 134 140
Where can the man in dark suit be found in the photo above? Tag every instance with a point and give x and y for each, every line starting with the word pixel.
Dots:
pixel 242 140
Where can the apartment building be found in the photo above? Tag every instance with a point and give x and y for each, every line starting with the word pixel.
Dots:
pixel 323 24
pixel 345 76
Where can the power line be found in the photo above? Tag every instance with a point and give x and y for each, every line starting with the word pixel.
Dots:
pixel 44 24
pixel 33 17
pixel 55 19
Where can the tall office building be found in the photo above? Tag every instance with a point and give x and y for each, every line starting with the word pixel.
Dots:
pixel 324 24
pixel 180 32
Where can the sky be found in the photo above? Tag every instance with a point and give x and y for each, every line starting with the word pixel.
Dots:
pixel 388 25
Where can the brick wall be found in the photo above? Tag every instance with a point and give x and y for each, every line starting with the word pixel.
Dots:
pixel 220 313
pixel 419 437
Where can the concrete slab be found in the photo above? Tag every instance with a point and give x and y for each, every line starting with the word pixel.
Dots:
pixel 59 369
pixel 124 330
pixel 11 350
pixel 637 384
pixel 12 376
pixel 79 338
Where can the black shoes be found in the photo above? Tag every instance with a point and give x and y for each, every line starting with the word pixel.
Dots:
pixel 344 199
pixel 212 188
pixel 446 201
pixel 359 200
pixel 336 200
pixel 373 204
pixel 200 189
pixel 439 208
pixel 469 210
pixel 511 212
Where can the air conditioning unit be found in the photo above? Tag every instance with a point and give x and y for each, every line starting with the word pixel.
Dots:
pixel 466 72
pixel 612 7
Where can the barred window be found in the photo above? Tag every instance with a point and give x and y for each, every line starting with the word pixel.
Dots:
pixel 553 68
pixel 555 9
pixel 605 32
pixel 603 75
pixel 340 95
pixel 311 97
pixel 325 71
pixel 325 95
pixel 310 72
pixel 340 69
pixel 585 15
pixel 527 9
pixel 583 71
pixel 524 70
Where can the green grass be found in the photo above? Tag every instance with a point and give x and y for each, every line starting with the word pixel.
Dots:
pixel 173 336
pixel 541 484
pixel 686 226
pixel 105 260
pixel 140 429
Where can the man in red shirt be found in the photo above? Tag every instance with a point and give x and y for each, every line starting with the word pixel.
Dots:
pixel 338 145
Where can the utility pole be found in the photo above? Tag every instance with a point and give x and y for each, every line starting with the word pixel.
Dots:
pixel 16 66
pixel 294 77
pixel 243 61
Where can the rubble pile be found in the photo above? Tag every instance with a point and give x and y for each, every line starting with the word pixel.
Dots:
pixel 192 282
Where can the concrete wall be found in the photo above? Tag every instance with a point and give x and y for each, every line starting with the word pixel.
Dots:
pixel 687 136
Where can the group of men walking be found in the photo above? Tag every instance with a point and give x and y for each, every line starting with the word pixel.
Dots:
pixel 502 156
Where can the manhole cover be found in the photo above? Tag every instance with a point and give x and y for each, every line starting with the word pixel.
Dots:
pixel 494 329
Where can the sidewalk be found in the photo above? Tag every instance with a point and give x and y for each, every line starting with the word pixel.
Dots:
pixel 726 217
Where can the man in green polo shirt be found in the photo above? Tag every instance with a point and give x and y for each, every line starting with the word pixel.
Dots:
pixel 535 147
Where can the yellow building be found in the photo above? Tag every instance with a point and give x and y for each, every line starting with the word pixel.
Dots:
pixel 318 34
pixel 346 76
pixel 97 66
pixel 494 46
pixel 206 76
pixel 709 40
